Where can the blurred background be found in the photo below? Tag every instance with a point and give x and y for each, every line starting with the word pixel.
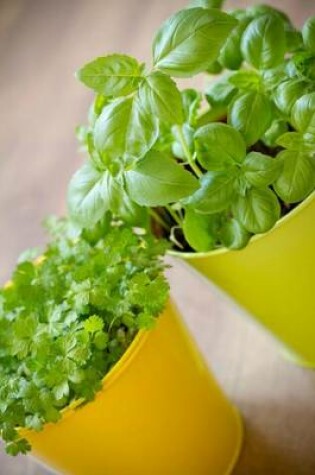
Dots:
pixel 42 43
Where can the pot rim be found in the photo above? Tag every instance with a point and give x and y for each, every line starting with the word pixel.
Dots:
pixel 288 217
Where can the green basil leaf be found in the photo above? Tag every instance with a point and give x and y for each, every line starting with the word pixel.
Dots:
pixel 126 128
pixel 287 93
pixel 158 180
pixel 190 40
pixel 256 11
pixel 246 79
pixel 219 145
pixel 160 92
pixel 191 100
pixel 230 55
pixel 215 194
pixel 221 92
pixel 303 114
pixel 258 211
pixel 206 3
pixel 251 114
pixel 214 68
pixel 233 234
pixel 295 141
pixel 263 42
pixel 177 148
pixel 261 170
pixel 277 128
pixel 302 64
pixel 114 75
pixel 199 230
pixel 86 199
pixel 271 78
pixel 121 205
pixel 297 179
pixel 294 39
pixel 308 33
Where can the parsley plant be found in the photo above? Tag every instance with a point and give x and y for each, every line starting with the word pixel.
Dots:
pixel 67 319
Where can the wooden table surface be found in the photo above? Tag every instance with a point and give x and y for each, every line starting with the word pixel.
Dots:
pixel 42 43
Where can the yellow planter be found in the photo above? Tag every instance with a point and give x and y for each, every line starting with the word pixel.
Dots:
pixel 160 413
pixel 273 278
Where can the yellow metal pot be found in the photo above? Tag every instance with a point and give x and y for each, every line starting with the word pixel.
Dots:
pixel 273 278
pixel 160 413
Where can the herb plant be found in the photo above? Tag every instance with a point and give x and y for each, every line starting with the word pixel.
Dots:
pixel 66 319
pixel 207 176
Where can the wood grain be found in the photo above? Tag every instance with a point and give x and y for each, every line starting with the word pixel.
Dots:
pixel 41 44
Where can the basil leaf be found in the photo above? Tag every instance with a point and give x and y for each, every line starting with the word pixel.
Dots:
pixel 287 93
pixel 261 170
pixel 219 145
pixel 263 42
pixel 86 199
pixel 191 100
pixel 214 68
pixel 126 128
pixel 199 230
pixel 121 205
pixel 256 11
pixel 303 114
pixel 246 79
pixel 295 141
pixel 114 75
pixel 271 78
pixel 158 180
pixel 160 92
pixel 258 211
pixel 221 92
pixel 190 40
pixel 233 234
pixel 302 64
pixel 177 148
pixel 297 179
pixel 277 128
pixel 308 33
pixel 215 194
pixel 206 3
pixel 230 55
pixel 251 114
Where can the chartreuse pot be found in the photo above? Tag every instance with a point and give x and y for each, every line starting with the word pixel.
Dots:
pixel 160 412
pixel 273 278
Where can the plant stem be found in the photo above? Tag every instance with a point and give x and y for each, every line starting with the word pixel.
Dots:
pixel 159 219
pixel 187 152
pixel 174 215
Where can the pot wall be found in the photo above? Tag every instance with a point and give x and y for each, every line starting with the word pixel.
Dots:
pixel 273 278
pixel 160 412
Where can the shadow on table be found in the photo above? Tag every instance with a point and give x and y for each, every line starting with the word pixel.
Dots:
pixel 265 453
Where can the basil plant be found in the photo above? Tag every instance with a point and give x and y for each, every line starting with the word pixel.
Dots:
pixel 204 168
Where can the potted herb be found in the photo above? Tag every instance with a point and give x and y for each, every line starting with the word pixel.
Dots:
pixel 97 372
pixel 231 183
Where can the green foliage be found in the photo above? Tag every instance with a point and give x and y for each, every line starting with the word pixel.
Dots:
pixel 125 129
pixel 190 40
pixel 114 75
pixel 308 33
pixel 251 114
pixel 263 42
pixel 209 175
pixel 158 180
pixel 66 320
pixel 160 92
